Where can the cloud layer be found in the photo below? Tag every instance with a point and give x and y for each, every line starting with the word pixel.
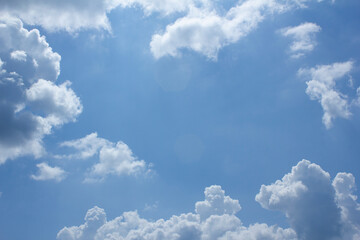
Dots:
pixel 31 103
pixel 317 208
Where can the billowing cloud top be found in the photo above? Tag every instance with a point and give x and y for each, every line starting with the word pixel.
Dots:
pixel 317 208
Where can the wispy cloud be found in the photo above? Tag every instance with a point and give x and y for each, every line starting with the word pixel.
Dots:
pixel 303 37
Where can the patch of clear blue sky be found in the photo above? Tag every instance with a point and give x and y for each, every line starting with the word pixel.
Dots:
pixel 240 122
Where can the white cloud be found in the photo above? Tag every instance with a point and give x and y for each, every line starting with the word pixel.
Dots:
pixel 344 185
pixel 317 208
pixel 164 6
pixel 87 146
pixel 18 55
pixel 30 106
pixel 66 15
pixel 303 36
pixel 114 158
pixel 307 198
pixel 216 203
pixel 214 219
pixel 261 231
pixel 205 31
pixel 73 16
pixel 49 173
pixel 322 87
pixel 58 102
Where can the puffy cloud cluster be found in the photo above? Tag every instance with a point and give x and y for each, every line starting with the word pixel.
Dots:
pixel 114 158
pixel 201 27
pixel 49 173
pixel 322 87
pixel 214 219
pixel 31 104
pixel 303 36
pixel 205 31
pixel 317 208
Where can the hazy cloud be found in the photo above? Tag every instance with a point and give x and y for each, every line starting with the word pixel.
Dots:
pixel 18 55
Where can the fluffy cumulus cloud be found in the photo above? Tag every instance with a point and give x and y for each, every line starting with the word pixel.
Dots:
pixel 303 36
pixel 322 87
pixel 214 219
pixel 114 158
pixel 205 31
pixel 31 104
pixel 316 206
pixel 49 173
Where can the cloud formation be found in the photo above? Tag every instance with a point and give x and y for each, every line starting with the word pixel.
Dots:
pixel 205 31
pixel 317 208
pixel 66 15
pixel 307 197
pixel 201 25
pixel 114 158
pixel 214 219
pixel 303 36
pixel 49 173
pixel 322 87
pixel 31 104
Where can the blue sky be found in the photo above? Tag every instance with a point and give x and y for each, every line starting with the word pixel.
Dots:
pixel 159 119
